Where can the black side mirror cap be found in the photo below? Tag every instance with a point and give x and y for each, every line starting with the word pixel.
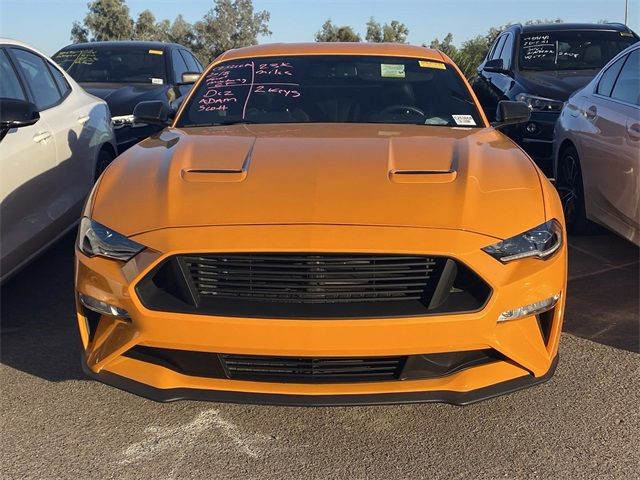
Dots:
pixel 189 78
pixel 510 113
pixel 496 65
pixel 153 112
pixel 16 114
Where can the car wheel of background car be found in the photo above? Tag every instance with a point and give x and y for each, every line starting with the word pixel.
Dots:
pixel 105 157
pixel 571 190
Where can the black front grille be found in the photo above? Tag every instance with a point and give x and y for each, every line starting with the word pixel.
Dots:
pixel 311 278
pixel 310 370
pixel 312 285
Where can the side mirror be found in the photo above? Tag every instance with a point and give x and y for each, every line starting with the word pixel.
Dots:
pixel 153 112
pixel 496 65
pixel 189 77
pixel 509 113
pixel 16 114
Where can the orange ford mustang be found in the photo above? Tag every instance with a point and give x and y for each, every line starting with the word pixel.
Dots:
pixel 323 224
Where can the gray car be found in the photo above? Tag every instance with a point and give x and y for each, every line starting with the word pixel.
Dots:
pixel 597 150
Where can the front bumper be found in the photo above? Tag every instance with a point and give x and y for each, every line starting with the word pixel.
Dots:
pixel 528 355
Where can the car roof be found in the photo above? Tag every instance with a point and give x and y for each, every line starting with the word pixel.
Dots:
pixel 126 44
pixel 334 48
pixel 555 27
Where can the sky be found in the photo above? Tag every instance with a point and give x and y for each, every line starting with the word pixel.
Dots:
pixel 46 24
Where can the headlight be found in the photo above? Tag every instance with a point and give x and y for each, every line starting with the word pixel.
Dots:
pixel 541 242
pixel 540 104
pixel 96 239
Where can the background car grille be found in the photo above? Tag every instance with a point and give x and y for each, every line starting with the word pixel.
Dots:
pixel 311 285
pixel 311 278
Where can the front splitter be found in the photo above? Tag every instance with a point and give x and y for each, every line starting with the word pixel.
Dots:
pixel 441 396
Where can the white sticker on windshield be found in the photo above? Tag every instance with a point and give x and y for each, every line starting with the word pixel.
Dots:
pixel 157 81
pixel 391 70
pixel 464 120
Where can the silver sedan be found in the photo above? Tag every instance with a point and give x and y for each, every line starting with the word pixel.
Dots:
pixel 597 150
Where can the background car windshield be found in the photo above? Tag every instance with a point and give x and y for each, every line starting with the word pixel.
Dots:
pixel 571 50
pixel 141 65
pixel 332 89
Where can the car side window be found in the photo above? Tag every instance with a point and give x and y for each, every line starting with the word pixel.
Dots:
pixel 608 78
pixel 10 85
pixel 190 61
pixel 627 86
pixel 61 82
pixel 41 83
pixel 506 52
pixel 495 53
pixel 179 65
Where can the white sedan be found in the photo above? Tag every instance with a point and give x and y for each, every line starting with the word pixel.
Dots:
pixel 597 150
pixel 55 140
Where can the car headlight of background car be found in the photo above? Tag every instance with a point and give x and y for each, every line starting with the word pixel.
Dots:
pixel 540 104
pixel 541 242
pixel 94 239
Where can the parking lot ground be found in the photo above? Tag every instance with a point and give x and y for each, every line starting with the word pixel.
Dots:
pixel 583 423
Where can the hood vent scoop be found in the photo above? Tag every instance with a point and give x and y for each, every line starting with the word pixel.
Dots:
pixel 422 176
pixel 202 174
pixel 214 175
pixel 437 163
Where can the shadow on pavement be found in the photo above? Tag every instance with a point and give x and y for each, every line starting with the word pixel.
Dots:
pixel 603 298
pixel 38 333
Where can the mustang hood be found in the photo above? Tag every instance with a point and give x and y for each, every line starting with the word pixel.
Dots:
pixel 122 98
pixel 393 175
pixel 558 85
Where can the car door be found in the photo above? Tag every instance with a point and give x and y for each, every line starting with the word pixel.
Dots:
pixel 67 114
pixel 28 159
pixel 484 85
pixel 610 153
pixel 502 82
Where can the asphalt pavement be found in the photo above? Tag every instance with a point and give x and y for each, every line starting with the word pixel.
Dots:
pixel 583 423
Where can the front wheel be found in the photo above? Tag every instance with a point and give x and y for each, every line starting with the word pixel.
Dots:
pixel 105 157
pixel 571 190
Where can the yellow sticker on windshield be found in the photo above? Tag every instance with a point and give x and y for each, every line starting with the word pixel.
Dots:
pixel 428 64
pixel 390 70
pixel 155 52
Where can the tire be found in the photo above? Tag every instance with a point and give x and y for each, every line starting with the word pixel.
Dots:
pixel 105 157
pixel 571 190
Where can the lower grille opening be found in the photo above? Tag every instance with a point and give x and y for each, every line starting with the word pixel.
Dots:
pixel 312 370
pixel 312 285
pixel 277 369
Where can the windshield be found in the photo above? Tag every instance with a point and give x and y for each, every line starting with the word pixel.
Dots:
pixel 571 49
pixel 331 89
pixel 130 65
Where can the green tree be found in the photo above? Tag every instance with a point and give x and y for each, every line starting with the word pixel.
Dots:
pixel 79 34
pixel 446 46
pixel 145 26
pixel 229 24
pixel 394 32
pixel 106 20
pixel 333 33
